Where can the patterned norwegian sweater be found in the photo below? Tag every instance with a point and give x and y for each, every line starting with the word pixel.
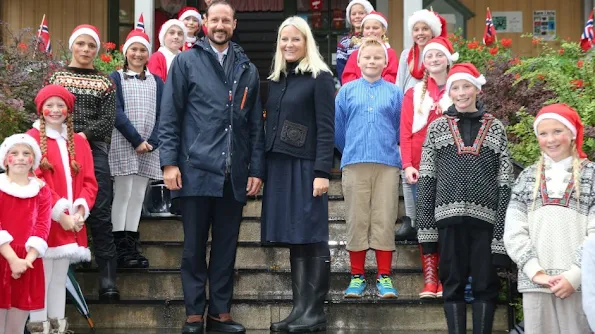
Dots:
pixel 345 48
pixel 548 234
pixel 463 181
pixel 95 106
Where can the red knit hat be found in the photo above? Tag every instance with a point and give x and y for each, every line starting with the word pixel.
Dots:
pixel 442 44
pixel 189 11
pixel 564 114
pixel 465 71
pixel 54 90
pixel 84 29
pixel 136 36
pixel 378 16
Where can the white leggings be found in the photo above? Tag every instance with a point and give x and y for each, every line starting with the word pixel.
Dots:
pixel 12 320
pixel 129 195
pixel 56 271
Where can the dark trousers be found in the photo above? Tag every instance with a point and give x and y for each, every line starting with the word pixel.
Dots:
pixel 100 218
pixel 465 250
pixel 198 214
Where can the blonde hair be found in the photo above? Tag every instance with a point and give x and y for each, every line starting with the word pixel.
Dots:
pixel 312 61
pixel 372 42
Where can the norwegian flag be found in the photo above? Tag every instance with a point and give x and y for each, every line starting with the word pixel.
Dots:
pixel 489 35
pixel 43 36
pixel 140 25
pixel 587 40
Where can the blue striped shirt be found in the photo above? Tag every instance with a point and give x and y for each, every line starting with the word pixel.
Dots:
pixel 367 121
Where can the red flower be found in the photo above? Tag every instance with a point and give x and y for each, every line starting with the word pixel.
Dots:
pixel 506 42
pixel 517 76
pixel 105 58
pixel 480 48
pixel 473 45
pixel 515 61
pixel 109 46
pixel 577 83
pixel 494 51
pixel 540 76
pixel 22 46
pixel 579 64
pixel 536 41
pixel 561 51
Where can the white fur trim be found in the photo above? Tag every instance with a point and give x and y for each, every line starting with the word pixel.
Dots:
pixel 452 57
pixel 136 39
pixel 193 13
pixel 73 252
pixel 366 4
pixel 20 138
pixel 169 56
pixel 421 109
pixel 557 117
pixel 65 159
pixel 168 24
pixel 13 189
pixel 426 17
pixel 477 82
pixel 81 202
pixel 5 237
pixel 84 31
pixel 61 205
pixel 51 133
pixel 38 243
pixel 376 17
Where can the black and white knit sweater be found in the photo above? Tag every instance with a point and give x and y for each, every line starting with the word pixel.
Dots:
pixel 457 180
pixel 95 106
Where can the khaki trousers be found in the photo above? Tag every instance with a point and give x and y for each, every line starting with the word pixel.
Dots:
pixel 371 193
pixel 547 314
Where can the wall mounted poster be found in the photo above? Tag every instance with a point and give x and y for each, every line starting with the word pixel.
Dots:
pixel 544 24
pixel 508 21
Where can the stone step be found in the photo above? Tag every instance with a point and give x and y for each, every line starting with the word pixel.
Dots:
pixel 252 255
pixel 167 284
pixel 256 313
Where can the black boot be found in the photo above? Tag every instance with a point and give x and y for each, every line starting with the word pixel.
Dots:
pixel 125 249
pixel 406 232
pixel 318 283
pixel 108 292
pixel 456 317
pixel 134 237
pixel 483 317
pixel 299 277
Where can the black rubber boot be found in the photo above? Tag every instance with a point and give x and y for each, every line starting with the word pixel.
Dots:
pixel 406 232
pixel 134 237
pixel 483 317
pixel 108 292
pixel 125 250
pixel 318 283
pixel 456 317
pixel 299 276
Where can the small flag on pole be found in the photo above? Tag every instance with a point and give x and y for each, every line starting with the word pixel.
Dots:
pixel 140 25
pixel 43 36
pixel 489 35
pixel 587 40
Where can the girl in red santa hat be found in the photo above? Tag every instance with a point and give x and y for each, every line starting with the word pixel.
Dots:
pixel 355 12
pixel 25 208
pixel 193 22
pixel 133 156
pixel 374 25
pixel 93 118
pixel 171 36
pixel 464 187
pixel 67 167
pixel 550 216
pixel 422 104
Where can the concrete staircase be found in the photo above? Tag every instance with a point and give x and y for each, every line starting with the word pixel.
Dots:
pixel 152 298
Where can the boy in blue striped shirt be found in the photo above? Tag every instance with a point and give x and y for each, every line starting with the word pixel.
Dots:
pixel 367 118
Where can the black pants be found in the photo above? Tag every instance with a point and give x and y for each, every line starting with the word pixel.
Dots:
pixel 465 250
pixel 198 214
pixel 100 219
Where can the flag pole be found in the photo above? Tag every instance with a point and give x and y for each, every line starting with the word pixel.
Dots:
pixel 39 31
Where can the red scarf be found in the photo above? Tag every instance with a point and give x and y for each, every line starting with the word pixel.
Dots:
pixel 418 69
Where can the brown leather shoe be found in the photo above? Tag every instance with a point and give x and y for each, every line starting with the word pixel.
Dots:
pixel 224 323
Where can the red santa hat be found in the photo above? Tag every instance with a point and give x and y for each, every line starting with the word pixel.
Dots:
pixel 364 3
pixel 136 36
pixel 442 44
pixel 189 11
pixel 564 114
pixel 374 15
pixel 436 22
pixel 55 90
pixel 20 138
pixel 167 25
pixel 465 71
pixel 84 29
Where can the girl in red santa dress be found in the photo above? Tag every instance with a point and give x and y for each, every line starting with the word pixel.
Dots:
pixel 25 207
pixel 171 38
pixel 67 167
pixel 193 22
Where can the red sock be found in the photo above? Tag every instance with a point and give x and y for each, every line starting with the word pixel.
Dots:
pixel 358 260
pixel 384 261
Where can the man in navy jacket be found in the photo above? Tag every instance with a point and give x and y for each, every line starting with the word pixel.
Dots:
pixel 212 155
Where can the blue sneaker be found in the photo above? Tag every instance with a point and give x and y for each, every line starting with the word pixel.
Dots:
pixel 384 284
pixel 356 287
